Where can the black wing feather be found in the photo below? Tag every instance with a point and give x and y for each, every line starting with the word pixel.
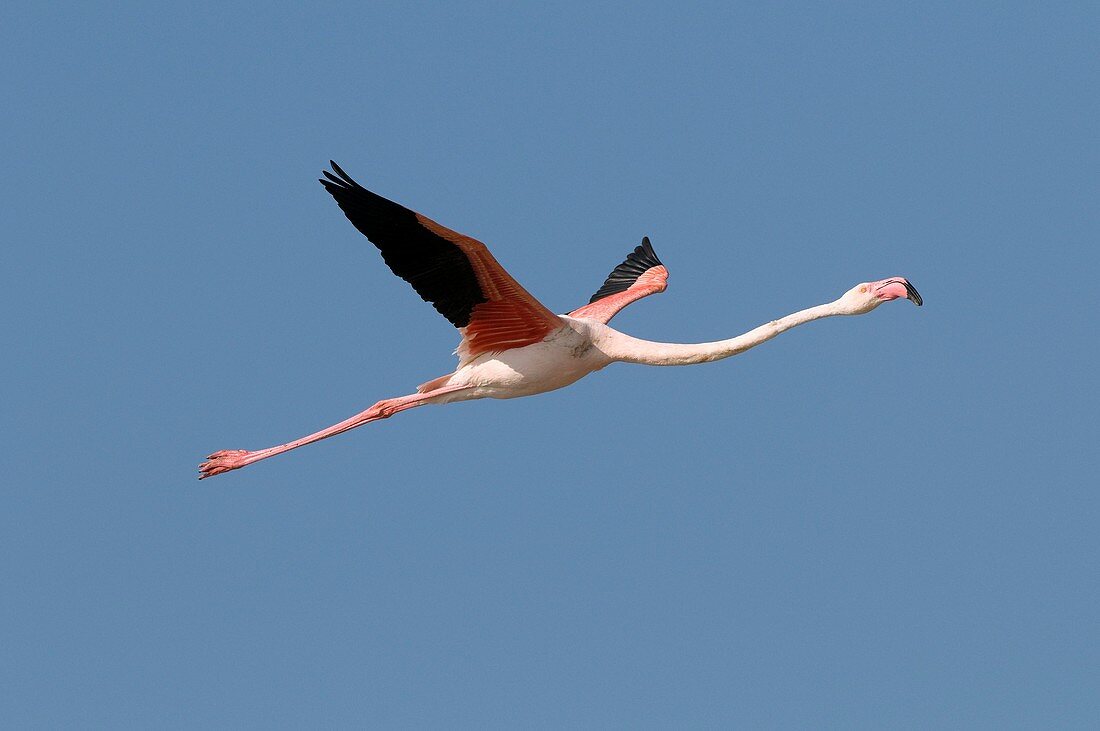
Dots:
pixel 437 269
pixel 637 263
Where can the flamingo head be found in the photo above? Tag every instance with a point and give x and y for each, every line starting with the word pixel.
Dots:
pixel 866 296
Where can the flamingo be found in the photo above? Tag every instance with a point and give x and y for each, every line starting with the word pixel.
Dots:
pixel 511 344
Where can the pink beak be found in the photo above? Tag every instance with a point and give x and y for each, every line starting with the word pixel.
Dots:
pixel 895 288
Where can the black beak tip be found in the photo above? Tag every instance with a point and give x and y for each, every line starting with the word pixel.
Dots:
pixel 913 295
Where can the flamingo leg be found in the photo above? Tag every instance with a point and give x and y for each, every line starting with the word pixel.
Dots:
pixel 232 459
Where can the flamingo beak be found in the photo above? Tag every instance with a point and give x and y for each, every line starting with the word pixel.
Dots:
pixel 892 289
pixel 911 293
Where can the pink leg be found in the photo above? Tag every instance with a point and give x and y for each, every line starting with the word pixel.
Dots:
pixel 232 459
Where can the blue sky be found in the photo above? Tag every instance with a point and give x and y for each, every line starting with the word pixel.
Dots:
pixel 885 521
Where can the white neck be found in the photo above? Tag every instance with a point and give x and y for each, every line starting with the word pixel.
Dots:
pixel 632 350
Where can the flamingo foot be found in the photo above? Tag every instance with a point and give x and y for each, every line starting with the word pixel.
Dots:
pixel 224 461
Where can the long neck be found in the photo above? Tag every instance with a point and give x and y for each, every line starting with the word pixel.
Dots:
pixel 632 350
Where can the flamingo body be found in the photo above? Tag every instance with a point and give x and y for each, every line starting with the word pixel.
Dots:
pixel 564 357
pixel 511 344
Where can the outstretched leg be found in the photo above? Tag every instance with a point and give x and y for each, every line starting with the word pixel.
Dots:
pixel 232 459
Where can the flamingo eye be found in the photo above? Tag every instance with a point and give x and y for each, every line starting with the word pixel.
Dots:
pixel 863 289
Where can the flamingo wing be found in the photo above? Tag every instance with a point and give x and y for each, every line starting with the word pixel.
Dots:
pixel 640 275
pixel 456 273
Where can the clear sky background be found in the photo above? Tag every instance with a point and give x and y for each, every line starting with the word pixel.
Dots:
pixel 884 521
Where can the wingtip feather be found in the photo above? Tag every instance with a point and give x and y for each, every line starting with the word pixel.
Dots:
pixel 347 179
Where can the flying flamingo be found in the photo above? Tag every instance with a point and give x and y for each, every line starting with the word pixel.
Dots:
pixel 511 344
